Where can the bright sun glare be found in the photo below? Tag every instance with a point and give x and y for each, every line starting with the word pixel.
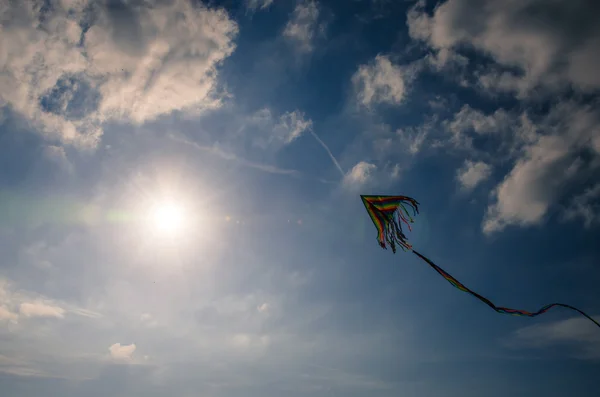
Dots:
pixel 168 217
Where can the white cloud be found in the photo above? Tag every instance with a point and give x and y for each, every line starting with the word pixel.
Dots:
pixel 473 173
pixel 41 309
pixel 548 43
pixel 526 193
pixel 546 155
pixel 303 25
pixel 122 352
pixel 178 48
pixel 135 63
pixel 549 159
pixel 263 308
pixel 579 332
pixel 359 174
pixel 585 206
pixel 379 82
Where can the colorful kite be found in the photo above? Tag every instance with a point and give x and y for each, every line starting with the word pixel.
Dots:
pixel 390 212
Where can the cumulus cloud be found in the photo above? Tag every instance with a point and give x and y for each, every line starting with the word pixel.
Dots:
pixel 122 352
pixel 178 47
pixel 359 174
pixel 41 309
pixel 547 155
pixel 303 26
pixel 550 159
pixel 82 63
pixel 472 173
pixel 534 43
pixel 379 82
pixel 531 186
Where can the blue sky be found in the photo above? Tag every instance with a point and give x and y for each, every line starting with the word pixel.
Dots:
pixel 261 122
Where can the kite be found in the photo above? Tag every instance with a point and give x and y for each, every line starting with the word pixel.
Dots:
pixel 389 213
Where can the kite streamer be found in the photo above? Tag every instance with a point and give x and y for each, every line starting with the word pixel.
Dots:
pixel 388 213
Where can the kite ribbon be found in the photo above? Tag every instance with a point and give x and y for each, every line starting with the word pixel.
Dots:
pixel 382 209
pixel 499 309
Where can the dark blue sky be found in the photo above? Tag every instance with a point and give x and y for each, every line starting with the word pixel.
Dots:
pixel 180 197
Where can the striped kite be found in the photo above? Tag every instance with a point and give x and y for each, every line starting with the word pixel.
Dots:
pixel 388 213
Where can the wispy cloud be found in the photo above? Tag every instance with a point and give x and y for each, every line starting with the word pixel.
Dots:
pixel 278 132
pixel 586 206
pixel 468 123
pixel 7 315
pixel 16 304
pixel 579 333
pixel 303 26
pixel 254 5
pixel 379 82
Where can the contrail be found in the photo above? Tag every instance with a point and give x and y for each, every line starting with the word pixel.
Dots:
pixel 262 167
pixel 335 162
pixel 232 157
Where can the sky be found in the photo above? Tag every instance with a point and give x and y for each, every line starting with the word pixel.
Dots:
pixel 180 191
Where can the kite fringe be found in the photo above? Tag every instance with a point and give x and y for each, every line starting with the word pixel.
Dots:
pixel 393 228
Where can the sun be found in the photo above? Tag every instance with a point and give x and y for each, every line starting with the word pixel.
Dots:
pixel 168 217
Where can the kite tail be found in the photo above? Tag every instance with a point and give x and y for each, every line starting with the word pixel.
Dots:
pixel 498 309
pixel 388 213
